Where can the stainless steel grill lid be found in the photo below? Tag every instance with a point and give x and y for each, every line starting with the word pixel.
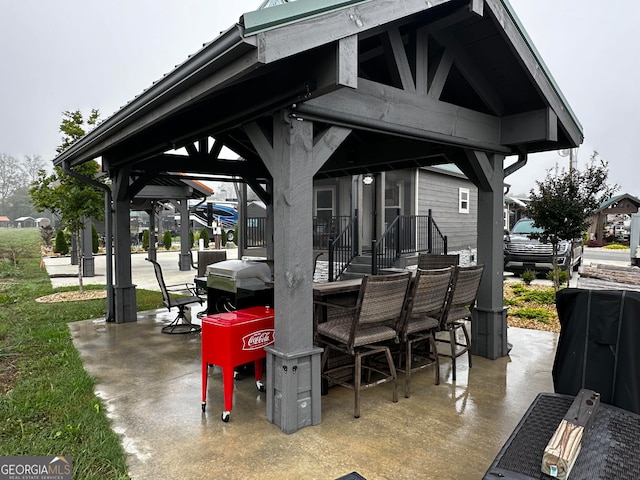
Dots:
pixel 229 275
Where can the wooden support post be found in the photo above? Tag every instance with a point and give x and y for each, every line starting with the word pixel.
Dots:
pixel 563 448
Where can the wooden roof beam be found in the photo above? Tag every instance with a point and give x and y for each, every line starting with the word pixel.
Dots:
pixel 164 191
pixel 397 60
pixel 471 73
pixel 535 126
pixel 382 108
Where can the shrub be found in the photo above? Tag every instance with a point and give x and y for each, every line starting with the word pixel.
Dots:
pixel 166 239
pixel 46 234
pixel 540 314
pixel 145 240
pixel 204 235
pixel 95 241
pixel 61 246
pixel 529 276
pixel 547 296
pixel 191 238
pixel 518 289
pixel 563 276
pixel 616 246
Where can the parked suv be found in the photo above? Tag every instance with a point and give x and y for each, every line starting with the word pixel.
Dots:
pixel 521 252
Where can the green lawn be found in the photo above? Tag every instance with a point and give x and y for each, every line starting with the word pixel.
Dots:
pixel 47 401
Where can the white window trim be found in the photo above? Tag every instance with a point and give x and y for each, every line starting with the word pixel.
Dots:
pixel 327 188
pixel 463 198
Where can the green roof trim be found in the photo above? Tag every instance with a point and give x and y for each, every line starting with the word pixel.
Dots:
pixel 604 205
pixel 278 15
pixel 448 167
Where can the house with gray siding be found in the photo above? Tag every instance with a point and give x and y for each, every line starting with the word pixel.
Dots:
pixel 452 199
pixel 441 193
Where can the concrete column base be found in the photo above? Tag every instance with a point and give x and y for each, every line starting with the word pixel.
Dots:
pixel 125 304
pixel 88 267
pixel 489 333
pixel 184 262
pixel 293 389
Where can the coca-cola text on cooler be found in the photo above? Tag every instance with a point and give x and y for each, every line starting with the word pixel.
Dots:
pixel 258 339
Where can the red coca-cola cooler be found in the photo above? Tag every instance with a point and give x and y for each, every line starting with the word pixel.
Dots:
pixel 232 339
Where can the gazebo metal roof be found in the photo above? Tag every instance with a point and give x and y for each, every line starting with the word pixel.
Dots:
pixel 496 77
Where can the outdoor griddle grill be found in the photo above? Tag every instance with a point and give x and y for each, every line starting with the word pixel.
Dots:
pixel 238 284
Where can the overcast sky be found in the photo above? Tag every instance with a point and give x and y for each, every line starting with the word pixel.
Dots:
pixel 78 54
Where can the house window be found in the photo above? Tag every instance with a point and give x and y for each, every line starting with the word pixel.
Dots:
pixel 463 200
pixel 324 204
pixel 392 202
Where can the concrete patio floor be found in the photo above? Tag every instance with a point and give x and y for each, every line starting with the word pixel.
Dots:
pixel 150 383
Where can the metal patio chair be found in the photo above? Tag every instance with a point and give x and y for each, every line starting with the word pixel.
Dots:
pixel 181 324
pixel 364 331
pixel 463 293
pixel 426 306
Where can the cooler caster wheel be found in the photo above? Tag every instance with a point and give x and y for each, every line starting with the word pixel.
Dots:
pixel 225 416
pixel 260 386
pixel 204 406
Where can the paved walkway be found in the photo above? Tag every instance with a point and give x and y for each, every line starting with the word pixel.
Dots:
pixel 64 274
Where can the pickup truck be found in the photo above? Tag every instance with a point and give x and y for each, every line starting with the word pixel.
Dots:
pixel 521 252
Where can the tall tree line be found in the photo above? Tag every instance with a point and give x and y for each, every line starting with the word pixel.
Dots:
pixel 16 178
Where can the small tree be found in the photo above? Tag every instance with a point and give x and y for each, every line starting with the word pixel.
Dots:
pixel 70 199
pixel 61 245
pixel 95 241
pixel 204 235
pixel 46 235
pixel 166 239
pixel 564 202
pixel 145 240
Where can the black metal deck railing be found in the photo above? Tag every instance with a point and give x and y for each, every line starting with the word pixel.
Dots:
pixel 343 249
pixel 338 235
pixel 405 235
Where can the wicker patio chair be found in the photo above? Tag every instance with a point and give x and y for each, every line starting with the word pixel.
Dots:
pixel 432 261
pixel 364 333
pixel 464 291
pixel 426 306
pixel 181 324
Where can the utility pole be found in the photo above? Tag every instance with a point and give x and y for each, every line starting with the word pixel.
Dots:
pixel 573 158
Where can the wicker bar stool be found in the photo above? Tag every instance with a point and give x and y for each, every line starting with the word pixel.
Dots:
pixel 464 291
pixel 364 333
pixel 426 306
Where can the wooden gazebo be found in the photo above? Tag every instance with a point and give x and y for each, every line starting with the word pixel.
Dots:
pixel 329 88
pixel 617 205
